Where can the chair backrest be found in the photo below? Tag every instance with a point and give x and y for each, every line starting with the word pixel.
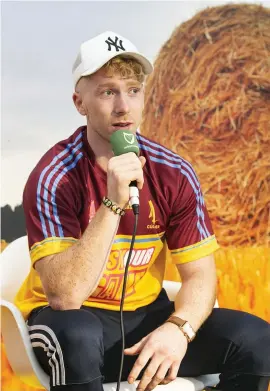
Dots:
pixel 15 265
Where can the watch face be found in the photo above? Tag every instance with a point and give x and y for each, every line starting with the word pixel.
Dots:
pixel 188 329
pixel 184 326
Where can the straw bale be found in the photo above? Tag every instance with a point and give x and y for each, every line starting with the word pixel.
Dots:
pixel 209 100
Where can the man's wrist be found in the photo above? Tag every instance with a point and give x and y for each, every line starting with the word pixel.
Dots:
pixel 184 326
pixel 174 326
pixel 113 206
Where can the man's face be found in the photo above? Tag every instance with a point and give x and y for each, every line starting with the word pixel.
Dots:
pixel 110 103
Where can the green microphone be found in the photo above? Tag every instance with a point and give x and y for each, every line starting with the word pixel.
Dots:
pixel 123 141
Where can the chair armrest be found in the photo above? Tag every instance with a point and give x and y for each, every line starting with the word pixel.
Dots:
pixel 19 350
pixel 216 304
pixel 171 288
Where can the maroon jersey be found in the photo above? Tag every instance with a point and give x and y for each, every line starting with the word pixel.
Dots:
pixel 66 188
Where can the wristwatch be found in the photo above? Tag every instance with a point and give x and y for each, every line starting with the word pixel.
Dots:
pixel 184 326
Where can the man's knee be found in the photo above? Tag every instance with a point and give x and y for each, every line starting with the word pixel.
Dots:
pixel 82 344
pixel 258 344
pixel 83 333
pixel 248 337
pixel 75 338
pixel 253 342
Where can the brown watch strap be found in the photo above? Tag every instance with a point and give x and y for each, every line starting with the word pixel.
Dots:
pixel 176 320
pixel 180 323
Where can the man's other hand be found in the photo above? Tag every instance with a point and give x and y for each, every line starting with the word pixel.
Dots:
pixel 164 349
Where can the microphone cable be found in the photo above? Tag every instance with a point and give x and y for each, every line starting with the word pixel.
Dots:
pixel 136 212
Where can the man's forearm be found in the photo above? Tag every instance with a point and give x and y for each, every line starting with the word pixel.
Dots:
pixel 195 300
pixel 72 275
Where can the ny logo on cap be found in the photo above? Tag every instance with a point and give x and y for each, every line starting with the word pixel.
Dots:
pixel 114 43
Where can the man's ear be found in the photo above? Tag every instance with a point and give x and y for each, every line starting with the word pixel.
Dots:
pixel 77 100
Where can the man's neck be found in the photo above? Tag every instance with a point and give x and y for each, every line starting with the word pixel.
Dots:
pixel 101 148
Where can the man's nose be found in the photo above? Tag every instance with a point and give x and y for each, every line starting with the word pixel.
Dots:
pixel 121 105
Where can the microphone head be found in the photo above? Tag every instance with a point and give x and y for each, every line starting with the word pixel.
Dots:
pixel 123 141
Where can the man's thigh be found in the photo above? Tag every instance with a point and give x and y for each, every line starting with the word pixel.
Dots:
pixel 205 354
pixel 208 353
pixel 65 342
pixel 222 343
pixel 103 325
pixel 137 325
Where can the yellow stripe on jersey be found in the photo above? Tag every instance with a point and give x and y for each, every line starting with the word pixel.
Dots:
pixel 54 244
pixel 142 237
pixel 141 240
pixel 195 251
pixel 50 246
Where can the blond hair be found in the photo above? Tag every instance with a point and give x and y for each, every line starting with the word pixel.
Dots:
pixel 126 67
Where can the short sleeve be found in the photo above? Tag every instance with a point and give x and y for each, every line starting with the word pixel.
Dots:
pixel 189 235
pixel 50 213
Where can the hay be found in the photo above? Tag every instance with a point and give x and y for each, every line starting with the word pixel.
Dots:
pixel 243 279
pixel 209 100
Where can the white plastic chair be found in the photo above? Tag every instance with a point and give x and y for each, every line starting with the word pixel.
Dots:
pixel 15 265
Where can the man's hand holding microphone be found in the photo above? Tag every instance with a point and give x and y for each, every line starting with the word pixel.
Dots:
pixel 125 169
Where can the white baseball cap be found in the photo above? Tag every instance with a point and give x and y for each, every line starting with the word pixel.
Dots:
pixel 97 51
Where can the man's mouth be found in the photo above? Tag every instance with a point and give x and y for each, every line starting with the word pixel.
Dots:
pixel 119 125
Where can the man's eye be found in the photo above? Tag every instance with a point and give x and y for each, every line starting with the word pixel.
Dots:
pixel 107 93
pixel 135 90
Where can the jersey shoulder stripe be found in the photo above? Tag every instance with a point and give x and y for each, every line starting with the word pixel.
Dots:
pixel 162 155
pixel 159 150
pixel 48 181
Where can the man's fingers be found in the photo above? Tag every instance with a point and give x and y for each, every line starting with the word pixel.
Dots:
pixel 140 363
pixel 135 349
pixel 172 374
pixel 149 373
pixel 160 375
pixel 143 160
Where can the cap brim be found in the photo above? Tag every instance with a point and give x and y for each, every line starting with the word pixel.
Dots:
pixel 147 65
